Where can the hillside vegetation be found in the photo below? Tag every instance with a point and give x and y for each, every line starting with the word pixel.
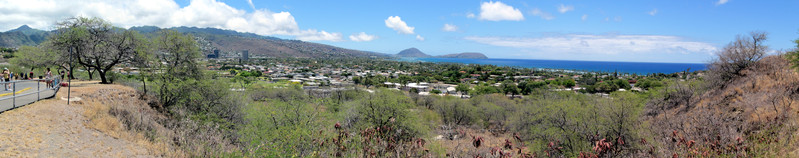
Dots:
pixel 744 105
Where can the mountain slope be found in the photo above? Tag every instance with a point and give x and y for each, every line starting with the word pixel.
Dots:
pixel 23 35
pixel 214 39
pixel 749 112
pixel 412 53
pixel 257 45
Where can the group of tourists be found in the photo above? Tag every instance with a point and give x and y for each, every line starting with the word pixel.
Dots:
pixel 7 76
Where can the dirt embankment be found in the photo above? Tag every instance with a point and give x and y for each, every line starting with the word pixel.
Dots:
pixel 51 128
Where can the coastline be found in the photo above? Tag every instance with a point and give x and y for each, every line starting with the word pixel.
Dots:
pixel 575 66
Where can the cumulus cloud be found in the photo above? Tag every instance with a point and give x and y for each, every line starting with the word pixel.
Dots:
pixel 585 17
pixel 362 37
pixel 653 12
pixel 449 28
pixel 396 23
pixel 42 14
pixel 498 11
pixel 313 35
pixel 720 2
pixel 542 14
pixel 420 38
pixel 601 44
pixel 565 8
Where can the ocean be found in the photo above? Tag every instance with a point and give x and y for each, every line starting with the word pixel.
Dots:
pixel 601 66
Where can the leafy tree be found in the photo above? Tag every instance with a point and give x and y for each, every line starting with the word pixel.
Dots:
pixel 385 108
pixel 621 83
pixel 404 79
pixel 648 84
pixel 413 91
pixel 35 57
pixel 455 111
pixel 176 64
pixel 484 88
pixel 463 88
pixel 282 128
pixel 243 81
pixel 96 44
pixel 508 87
pixel 568 83
pixel 793 56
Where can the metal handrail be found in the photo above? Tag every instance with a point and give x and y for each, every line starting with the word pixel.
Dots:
pixel 56 85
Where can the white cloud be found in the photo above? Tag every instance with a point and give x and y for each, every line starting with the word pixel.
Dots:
pixel 449 28
pixel 313 35
pixel 542 14
pixel 396 23
pixel 601 44
pixel 42 14
pixel 469 15
pixel 498 11
pixel 585 17
pixel 720 2
pixel 420 38
pixel 565 8
pixel 653 12
pixel 362 37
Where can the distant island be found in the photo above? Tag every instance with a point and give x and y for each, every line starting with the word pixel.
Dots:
pixel 467 55
pixel 416 53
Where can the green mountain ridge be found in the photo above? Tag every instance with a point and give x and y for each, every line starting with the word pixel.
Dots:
pixel 214 39
pixel 23 35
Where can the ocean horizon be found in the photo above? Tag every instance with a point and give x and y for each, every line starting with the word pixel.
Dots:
pixel 595 66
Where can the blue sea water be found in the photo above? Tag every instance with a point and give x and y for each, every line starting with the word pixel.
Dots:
pixel 603 66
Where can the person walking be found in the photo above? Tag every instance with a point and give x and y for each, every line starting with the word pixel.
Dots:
pixel 49 77
pixel 4 78
pixel 7 78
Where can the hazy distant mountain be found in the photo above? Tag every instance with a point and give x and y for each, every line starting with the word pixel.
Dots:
pixel 233 41
pixel 23 35
pixel 412 53
pixel 468 55
pixel 211 39
pixel 416 53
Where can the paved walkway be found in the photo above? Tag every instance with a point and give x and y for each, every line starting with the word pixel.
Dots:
pixel 25 92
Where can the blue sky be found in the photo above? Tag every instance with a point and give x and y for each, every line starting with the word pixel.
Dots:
pixel 628 30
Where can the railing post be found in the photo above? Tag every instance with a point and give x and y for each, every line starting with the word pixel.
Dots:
pixel 38 91
pixel 14 94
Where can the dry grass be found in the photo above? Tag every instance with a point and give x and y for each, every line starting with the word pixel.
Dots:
pixel 761 104
pixel 463 147
pixel 118 112
pixel 51 128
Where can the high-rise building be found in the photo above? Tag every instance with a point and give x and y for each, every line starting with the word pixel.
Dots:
pixel 245 54
pixel 213 55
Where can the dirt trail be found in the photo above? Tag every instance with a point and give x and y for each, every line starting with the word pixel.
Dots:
pixel 51 128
